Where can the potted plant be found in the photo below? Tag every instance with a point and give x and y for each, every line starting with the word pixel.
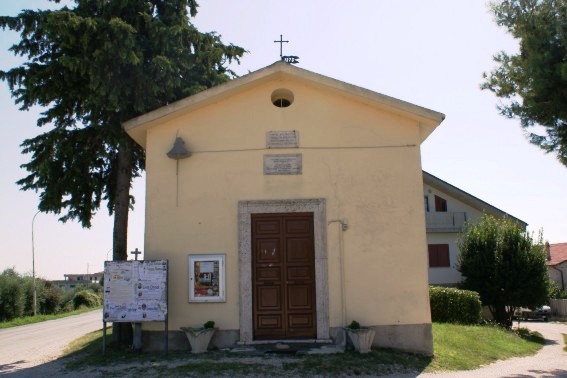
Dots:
pixel 361 337
pixel 200 337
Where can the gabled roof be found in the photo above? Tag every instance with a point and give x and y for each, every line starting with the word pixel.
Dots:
pixel 428 119
pixel 466 198
pixel 557 253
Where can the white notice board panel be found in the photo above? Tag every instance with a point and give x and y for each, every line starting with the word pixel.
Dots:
pixel 135 291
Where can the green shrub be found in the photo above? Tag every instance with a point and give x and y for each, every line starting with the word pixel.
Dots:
pixel 354 325
pixel 450 305
pixel 12 296
pixel 48 296
pixel 26 282
pixel 555 292
pixel 86 298
pixel 17 292
pixel 50 299
pixel 209 325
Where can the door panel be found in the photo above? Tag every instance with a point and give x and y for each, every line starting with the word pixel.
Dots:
pixel 297 226
pixel 269 298
pixel 268 227
pixel 268 251
pixel 297 273
pixel 298 250
pixel 268 274
pixel 270 322
pixel 299 297
pixel 283 276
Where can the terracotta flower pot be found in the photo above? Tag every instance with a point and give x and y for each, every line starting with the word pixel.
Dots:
pixel 199 338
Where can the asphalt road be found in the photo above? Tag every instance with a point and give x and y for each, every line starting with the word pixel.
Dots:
pixel 30 345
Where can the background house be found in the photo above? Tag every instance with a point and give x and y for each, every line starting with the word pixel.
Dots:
pixel 71 281
pixel 447 208
pixel 557 263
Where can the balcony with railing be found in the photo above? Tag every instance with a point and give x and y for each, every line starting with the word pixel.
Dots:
pixel 445 221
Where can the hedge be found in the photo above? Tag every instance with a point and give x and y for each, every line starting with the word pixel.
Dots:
pixel 450 305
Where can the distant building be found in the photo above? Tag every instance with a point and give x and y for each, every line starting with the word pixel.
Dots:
pixel 71 281
pixel 447 209
pixel 557 263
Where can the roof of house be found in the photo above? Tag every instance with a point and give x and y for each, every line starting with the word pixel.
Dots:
pixel 557 253
pixel 467 198
pixel 427 119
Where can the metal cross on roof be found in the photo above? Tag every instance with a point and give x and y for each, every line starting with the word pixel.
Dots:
pixel 281 42
pixel 289 58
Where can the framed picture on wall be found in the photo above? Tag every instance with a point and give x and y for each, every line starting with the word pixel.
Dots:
pixel 207 278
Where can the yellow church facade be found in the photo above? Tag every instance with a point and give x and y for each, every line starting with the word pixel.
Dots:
pixel 294 207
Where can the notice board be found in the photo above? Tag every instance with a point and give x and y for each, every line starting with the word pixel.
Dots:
pixel 135 291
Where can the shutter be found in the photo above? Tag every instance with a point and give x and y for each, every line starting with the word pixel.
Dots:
pixel 439 255
pixel 440 204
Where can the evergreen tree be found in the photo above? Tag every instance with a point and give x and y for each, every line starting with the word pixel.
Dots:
pixel 501 261
pixel 92 67
pixel 534 82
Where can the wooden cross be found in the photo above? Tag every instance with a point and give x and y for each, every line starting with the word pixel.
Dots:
pixel 281 42
pixel 136 253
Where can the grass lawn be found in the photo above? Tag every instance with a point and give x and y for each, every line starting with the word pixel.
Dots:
pixel 41 318
pixel 456 348
pixel 468 347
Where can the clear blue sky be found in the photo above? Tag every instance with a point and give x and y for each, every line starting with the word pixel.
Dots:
pixel 429 53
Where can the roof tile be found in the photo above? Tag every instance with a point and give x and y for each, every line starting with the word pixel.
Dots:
pixel 558 253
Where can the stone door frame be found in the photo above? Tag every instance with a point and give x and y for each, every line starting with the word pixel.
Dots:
pixel 316 206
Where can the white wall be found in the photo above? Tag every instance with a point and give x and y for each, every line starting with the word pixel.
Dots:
pixel 449 275
pixel 441 275
pixel 556 275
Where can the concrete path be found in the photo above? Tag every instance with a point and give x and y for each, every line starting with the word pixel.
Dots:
pixel 35 344
pixel 550 361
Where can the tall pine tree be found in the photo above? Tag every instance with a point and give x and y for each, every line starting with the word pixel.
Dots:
pixel 92 67
pixel 533 83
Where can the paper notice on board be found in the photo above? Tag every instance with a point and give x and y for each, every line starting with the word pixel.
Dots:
pixel 135 291
pixel 121 292
pixel 152 271
pixel 150 290
pixel 207 266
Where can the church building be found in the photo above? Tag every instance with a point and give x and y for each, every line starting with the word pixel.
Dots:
pixel 289 204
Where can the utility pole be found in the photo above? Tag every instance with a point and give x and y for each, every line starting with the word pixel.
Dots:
pixel 33 267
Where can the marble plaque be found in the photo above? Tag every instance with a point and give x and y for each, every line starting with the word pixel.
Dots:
pixel 285 164
pixel 282 139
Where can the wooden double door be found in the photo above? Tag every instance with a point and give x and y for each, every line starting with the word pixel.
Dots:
pixel 283 276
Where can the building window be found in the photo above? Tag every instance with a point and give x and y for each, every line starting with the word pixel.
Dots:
pixel 426 203
pixel 438 255
pixel 282 98
pixel 440 204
